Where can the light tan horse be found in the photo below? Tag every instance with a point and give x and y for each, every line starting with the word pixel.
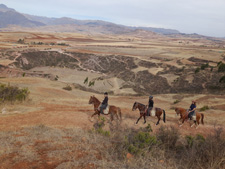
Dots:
pixel 113 110
pixel 184 116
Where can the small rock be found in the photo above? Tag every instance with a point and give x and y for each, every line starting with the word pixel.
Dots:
pixel 83 139
pixel 4 111
pixel 129 156
pixel 161 161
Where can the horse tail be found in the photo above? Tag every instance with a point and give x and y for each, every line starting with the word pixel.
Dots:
pixel 164 116
pixel 202 118
pixel 120 114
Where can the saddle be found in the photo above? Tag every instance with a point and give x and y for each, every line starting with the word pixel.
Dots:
pixel 106 110
pixel 193 118
pixel 151 112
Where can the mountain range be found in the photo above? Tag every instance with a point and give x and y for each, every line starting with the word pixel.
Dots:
pixel 10 17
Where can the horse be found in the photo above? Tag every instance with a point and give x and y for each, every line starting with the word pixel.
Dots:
pixel 142 108
pixel 113 110
pixel 184 116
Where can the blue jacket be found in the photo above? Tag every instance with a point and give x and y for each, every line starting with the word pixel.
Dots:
pixel 192 106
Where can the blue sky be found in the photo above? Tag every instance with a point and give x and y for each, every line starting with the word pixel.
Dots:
pixel 206 17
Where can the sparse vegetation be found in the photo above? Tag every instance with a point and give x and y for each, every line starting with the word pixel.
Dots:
pixel 62 44
pixel 86 80
pixel 68 87
pixel 203 66
pixel 12 93
pixel 91 83
pixel 176 101
pixel 222 79
pixel 204 108
pixel 120 147
pixel 221 67
pixel 21 41
pixel 197 70
pixel 56 77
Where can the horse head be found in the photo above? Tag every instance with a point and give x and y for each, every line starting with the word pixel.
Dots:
pixel 135 106
pixel 91 100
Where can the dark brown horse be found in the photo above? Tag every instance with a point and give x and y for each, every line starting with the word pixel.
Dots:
pixel 184 116
pixel 113 110
pixel 142 108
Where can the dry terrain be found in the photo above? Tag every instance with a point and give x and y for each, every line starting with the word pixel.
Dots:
pixel 50 129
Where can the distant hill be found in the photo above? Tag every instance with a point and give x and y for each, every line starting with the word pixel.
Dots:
pixel 14 18
pixel 9 16
pixel 4 8
pixel 160 30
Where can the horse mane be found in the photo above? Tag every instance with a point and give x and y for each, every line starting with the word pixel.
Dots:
pixel 140 104
pixel 95 98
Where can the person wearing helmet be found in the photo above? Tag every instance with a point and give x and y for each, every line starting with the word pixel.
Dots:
pixel 192 109
pixel 150 105
pixel 104 103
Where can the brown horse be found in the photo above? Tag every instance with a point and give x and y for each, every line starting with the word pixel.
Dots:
pixel 184 116
pixel 113 110
pixel 142 108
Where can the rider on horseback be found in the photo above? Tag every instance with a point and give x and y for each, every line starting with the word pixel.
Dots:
pixel 150 105
pixel 192 110
pixel 104 103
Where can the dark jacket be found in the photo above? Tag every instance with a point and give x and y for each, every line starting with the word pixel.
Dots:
pixel 192 106
pixel 150 103
pixel 105 101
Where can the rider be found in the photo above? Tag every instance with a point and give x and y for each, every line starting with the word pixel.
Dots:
pixel 150 105
pixel 104 103
pixel 192 109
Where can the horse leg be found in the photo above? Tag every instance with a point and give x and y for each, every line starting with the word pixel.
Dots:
pixel 179 121
pixel 193 124
pixel 159 118
pixel 94 114
pixel 111 116
pixel 117 116
pixel 197 125
pixel 139 119
pixel 182 122
pixel 144 119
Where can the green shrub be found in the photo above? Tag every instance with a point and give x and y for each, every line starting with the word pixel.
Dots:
pixel 222 79
pixel 98 127
pixel 68 87
pixel 197 70
pixel 176 101
pixel 11 93
pixel 211 68
pixel 91 83
pixel 203 66
pixel 56 77
pixel 190 141
pixel 86 80
pixel 168 136
pixel 204 108
pixel 221 67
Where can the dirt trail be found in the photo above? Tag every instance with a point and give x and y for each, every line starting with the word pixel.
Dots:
pixel 53 106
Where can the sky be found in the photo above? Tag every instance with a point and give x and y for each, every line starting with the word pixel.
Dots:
pixel 205 17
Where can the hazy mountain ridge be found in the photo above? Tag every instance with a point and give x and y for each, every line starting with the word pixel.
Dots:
pixel 14 18
pixel 9 16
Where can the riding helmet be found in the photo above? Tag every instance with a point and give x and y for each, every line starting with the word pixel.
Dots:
pixel 105 93
pixel 150 97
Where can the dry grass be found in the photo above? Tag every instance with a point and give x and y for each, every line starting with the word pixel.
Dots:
pixel 44 147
